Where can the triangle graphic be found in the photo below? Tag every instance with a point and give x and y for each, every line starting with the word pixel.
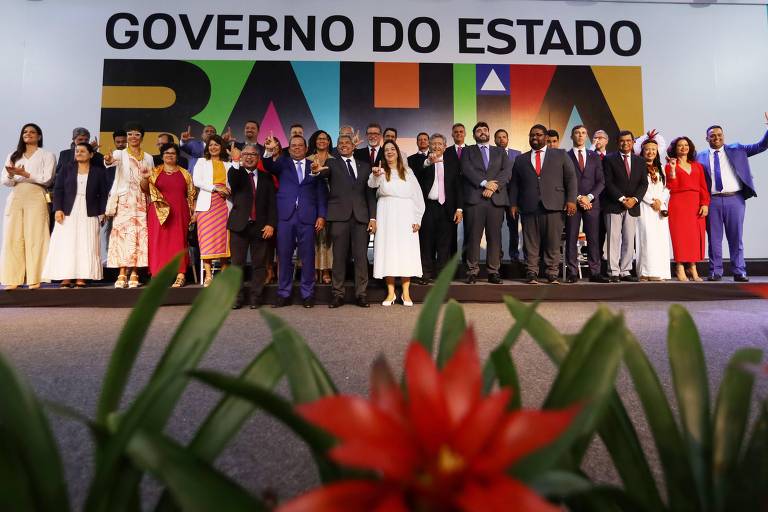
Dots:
pixel 574 120
pixel 271 125
pixel 493 83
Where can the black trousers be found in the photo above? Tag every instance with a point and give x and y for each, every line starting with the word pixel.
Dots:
pixel 350 238
pixel 542 231
pixel 435 236
pixel 489 217
pixel 240 242
pixel 514 236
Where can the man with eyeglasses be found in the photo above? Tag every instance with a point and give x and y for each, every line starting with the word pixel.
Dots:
pixel 252 220
pixel 371 154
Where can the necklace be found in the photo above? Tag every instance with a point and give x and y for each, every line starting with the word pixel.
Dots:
pixel 166 171
pixel 137 154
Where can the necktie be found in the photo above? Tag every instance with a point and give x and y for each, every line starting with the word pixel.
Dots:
pixel 601 156
pixel 458 151
pixel 251 176
pixel 718 175
pixel 626 165
pixel 440 183
pixel 581 160
pixel 299 172
pixel 484 151
pixel 538 163
pixel 373 155
pixel 350 170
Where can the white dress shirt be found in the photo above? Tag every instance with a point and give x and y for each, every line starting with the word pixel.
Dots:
pixel 351 161
pixel 731 182
pixel 533 156
pixel 433 191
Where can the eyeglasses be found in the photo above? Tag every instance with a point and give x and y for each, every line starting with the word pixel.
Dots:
pixel 249 154
pixel 373 133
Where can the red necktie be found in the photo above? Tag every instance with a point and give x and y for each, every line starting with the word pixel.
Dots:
pixel 373 155
pixel 538 163
pixel 626 165
pixel 253 191
pixel 581 161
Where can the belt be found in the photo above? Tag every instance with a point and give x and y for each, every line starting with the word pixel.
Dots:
pixel 725 194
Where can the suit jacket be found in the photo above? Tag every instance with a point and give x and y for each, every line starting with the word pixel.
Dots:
pixel 180 160
pixel 556 185
pixel 348 198
pixel 242 199
pixel 454 195
pixel 738 155
pixel 96 189
pixel 474 172
pixel 68 155
pixel 309 199
pixel 416 163
pixel 591 179
pixel 617 184
pixel 364 155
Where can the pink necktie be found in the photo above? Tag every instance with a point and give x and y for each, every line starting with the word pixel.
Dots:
pixel 440 184
pixel 626 165
pixel 458 152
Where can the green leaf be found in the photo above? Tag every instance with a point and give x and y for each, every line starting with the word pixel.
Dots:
pixel 194 484
pixel 559 484
pixel 669 442
pixel 16 492
pixel 551 341
pixel 730 421
pixel 750 491
pixel 424 332
pixel 150 411
pixel 691 385
pixel 504 368
pixel 131 337
pixel 605 498
pixel 24 426
pixel 451 332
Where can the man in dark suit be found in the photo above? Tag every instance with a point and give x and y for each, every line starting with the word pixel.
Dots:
pixel 251 133
pixel 625 185
pixel 453 153
pixel 589 171
pixel 302 200
pixel 729 180
pixel 441 186
pixel 252 220
pixel 351 217
pixel 501 139
pixel 79 135
pixel 486 170
pixel 416 160
pixel 543 185
pixel 371 153
pixel 162 140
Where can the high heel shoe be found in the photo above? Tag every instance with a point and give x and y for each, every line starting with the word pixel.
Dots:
pixel 407 303
pixel 388 303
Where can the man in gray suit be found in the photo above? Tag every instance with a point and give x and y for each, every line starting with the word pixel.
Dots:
pixel 351 217
pixel 543 185
pixel 487 170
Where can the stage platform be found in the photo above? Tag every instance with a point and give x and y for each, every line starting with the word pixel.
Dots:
pixel 104 296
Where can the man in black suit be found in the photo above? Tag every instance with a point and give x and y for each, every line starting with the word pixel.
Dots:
pixel 351 217
pixel 252 220
pixel 589 171
pixel 416 160
pixel 251 133
pixel 486 170
pixel 453 153
pixel 625 186
pixel 501 139
pixel 371 153
pixel 79 135
pixel 543 185
pixel 167 138
pixel 440 183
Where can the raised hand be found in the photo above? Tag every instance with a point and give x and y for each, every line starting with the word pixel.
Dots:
pixel 144 172
pixel 234 153
pixel 109 159
pixel 377 171
pixel 95 144
pixel 187 135
pixel 356 137
pixel 227 135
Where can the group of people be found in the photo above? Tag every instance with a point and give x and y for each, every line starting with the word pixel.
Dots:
pixel 323 203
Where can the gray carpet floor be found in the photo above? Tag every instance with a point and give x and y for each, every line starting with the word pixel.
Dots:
pixel 63 353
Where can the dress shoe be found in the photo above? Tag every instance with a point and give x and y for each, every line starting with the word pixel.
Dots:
pixel 614 279
pixel 531 278
pixel 309 302
pixel 715 277
pixel 599 278
pixel 471 279
pixel 255 304
pixel 740 278
pixel 423 281
pixel 362 302
pixel 629 278
pixel 572 279
pixel 281 302
pixel 336 302
pixel 552 279
pixel 237 305
pixel 494 279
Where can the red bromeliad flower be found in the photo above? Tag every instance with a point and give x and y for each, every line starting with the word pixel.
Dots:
pixel 444 447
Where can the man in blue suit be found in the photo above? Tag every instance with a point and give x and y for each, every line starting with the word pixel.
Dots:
pixel 730 184
pixel 591 182
pixel 302 200
pixel 501 139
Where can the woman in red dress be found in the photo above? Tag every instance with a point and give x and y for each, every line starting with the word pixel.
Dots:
pixel 688 206
pixel 172 203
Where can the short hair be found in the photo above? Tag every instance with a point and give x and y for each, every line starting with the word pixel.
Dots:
pixel 672 149
pixel 298 137
pixel 258 126
pixel 713 127
pixel 86 145
pixel 342 127
pixel 390 129
pixel 167 136
pixel 456 125
pixel 170 145
pixel 599 133
pixel 373 125
pixel 255 147
pixel 500 130
pixel 437 136
pixel 218 140
pixel 296 125
pixel 573 130
pixel 553 133
pixel 133 126
pixel 118 133
pixel 480 124
pixel 76 132
pixel 422 133
pixel 624 133
pixel 538 127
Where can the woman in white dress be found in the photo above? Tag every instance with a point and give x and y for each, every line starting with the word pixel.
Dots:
pixel 399 210
pixel 79 200
pixel 653 253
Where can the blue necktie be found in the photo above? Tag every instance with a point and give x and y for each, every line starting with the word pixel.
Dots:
pixel 350 171
pixel 718 175
pixel 299 172
pixel 484 151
